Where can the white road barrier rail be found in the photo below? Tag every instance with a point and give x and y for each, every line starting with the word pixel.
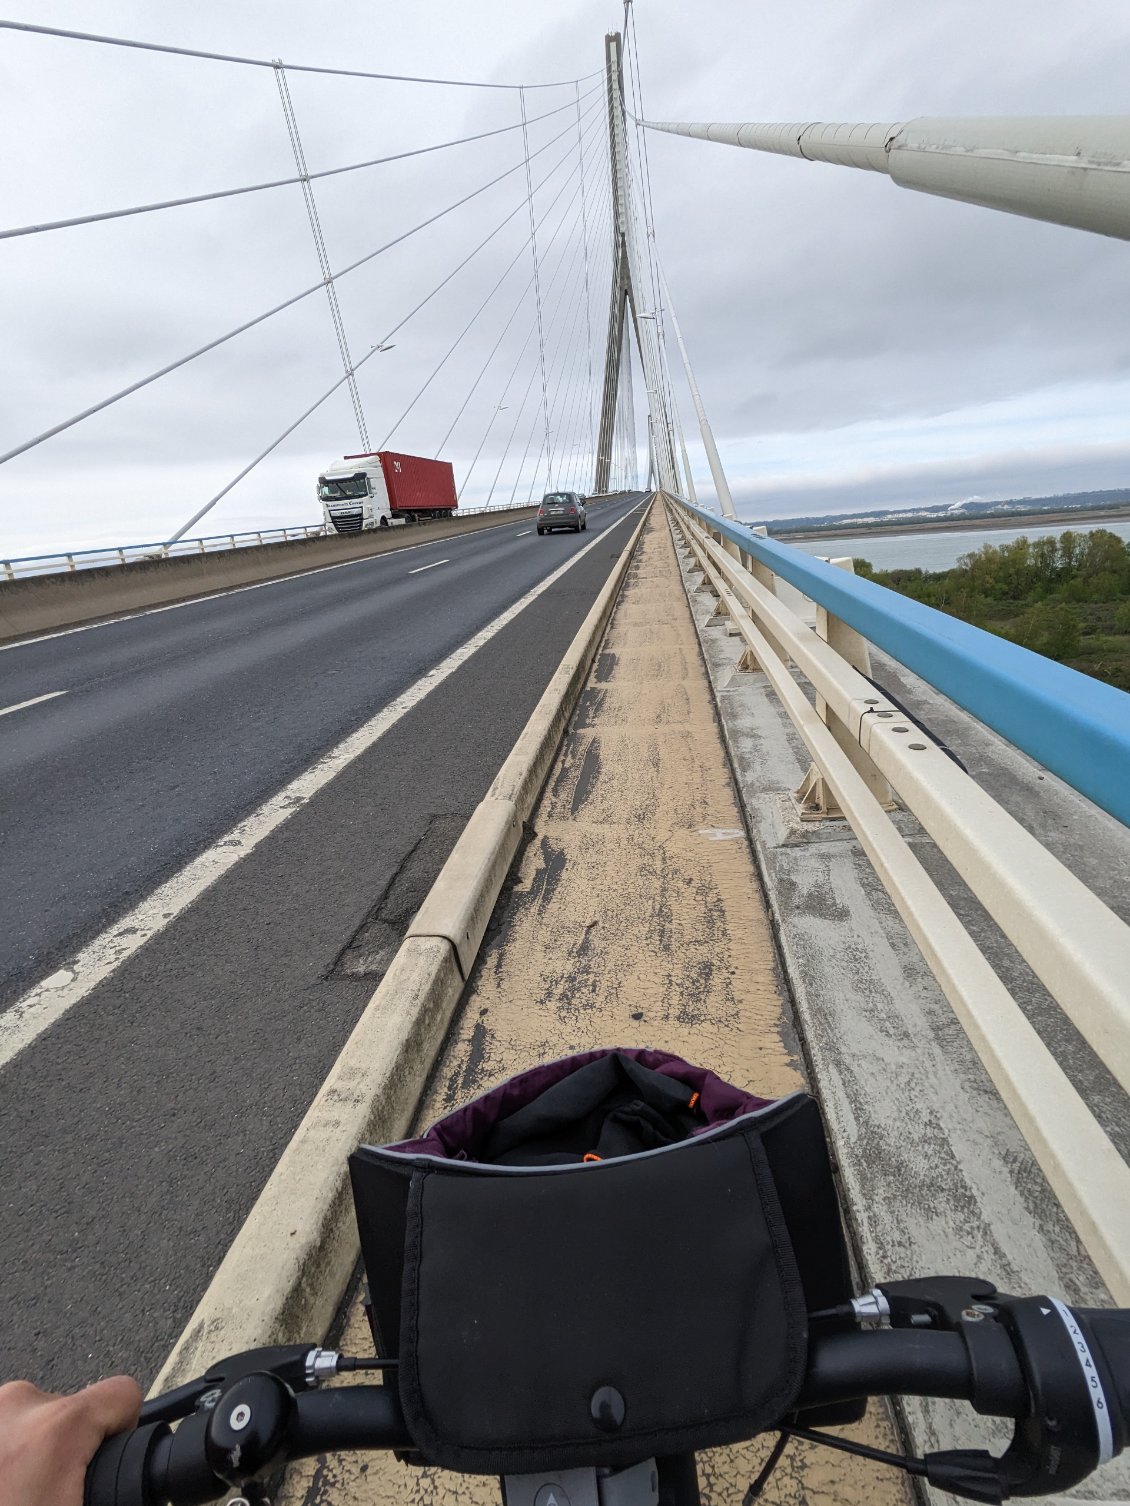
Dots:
pixel 213 543
pixel 860 744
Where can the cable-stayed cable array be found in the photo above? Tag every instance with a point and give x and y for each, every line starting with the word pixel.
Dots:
pixel 558 186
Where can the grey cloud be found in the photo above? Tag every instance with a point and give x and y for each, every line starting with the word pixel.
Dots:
pixel 811 297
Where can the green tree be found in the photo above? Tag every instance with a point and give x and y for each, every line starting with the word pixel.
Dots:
pixel 1050 628
pixel 1045 560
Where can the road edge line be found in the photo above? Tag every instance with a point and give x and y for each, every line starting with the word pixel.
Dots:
pixel 47 1001
pixel 285 1273
pixel 214 563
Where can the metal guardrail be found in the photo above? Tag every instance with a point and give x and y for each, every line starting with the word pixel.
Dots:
pixel 213 543
pixel 863 746
pixel 127 554
pixel 1074 725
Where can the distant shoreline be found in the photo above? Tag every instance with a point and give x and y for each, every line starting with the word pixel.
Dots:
pixel 964 525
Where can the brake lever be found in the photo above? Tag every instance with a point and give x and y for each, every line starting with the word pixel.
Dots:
pixel 300 1366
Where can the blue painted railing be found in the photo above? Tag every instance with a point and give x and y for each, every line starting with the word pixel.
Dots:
pixel 1072 724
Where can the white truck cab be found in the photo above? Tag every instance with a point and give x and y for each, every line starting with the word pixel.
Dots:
pixel 354 496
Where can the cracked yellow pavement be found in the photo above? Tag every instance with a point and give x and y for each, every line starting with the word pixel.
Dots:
pixel 634 916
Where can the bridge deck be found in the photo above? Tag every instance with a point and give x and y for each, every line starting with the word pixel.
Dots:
pixel 634 916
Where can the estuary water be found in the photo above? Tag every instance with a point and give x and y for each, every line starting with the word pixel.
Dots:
pixel 941 550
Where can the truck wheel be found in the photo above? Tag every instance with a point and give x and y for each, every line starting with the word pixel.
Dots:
pixel 384 522
pixel 541 531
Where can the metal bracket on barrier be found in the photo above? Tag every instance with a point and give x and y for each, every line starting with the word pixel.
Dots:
pixel 872 705
pixel 813 798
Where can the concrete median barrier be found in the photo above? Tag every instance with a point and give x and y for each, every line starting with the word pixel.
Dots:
pixel 284 1276
pixel 45 603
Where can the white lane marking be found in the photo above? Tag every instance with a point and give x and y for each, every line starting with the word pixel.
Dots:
pixel 50 999
pixel 258 585
pixel 35 701
pixel 432 566
pixel 523 534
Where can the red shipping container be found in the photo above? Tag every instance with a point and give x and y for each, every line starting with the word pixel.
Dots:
pixel 416 485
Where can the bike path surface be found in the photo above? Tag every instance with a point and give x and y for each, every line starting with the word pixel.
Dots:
pixel 633 916
pixel 139 1129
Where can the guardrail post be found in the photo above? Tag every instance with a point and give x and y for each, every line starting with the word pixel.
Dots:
pixel 71 562
pixel 765 577
pixel 814 800
pixel 9 573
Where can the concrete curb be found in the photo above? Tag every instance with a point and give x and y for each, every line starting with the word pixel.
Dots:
pixel 44 603
pixel 459 904
pixel 285 1273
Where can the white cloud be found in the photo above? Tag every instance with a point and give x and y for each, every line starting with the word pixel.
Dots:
pixel 851 339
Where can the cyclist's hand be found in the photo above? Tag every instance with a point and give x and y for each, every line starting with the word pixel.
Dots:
pixel 47 1441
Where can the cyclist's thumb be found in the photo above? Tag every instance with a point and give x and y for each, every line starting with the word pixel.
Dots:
pixel 108 1406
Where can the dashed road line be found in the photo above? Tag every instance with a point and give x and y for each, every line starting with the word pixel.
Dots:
pixel 432 566
pixel 258 585
pixel 35 701
pixel 50 999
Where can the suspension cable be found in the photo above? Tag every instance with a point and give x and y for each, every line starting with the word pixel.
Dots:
pixel 521 353
pixel 529 440
pixel 459 338
pixel 227 57
pixel 240 329
pixel 649 216
pixel 247 469
pixel 574 405
pixel 588 293
pixel 582 399
pixel 41 228
pixel 274 444
pixel 486 364
pixel 560 396
pixel 322 253
pixel 518 415
pixel 521 300
pixel 537 283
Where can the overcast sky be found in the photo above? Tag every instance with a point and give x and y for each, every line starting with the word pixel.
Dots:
pixel 856 344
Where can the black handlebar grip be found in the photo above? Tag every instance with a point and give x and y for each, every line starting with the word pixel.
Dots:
pixel 1108 1332
pixel 120 1472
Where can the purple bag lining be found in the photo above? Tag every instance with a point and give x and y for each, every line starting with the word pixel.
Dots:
pixel 459 1134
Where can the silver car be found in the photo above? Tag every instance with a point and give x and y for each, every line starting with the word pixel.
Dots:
pixel 562 510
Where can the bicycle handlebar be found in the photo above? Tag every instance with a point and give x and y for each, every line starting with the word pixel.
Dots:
pixel 1067 1383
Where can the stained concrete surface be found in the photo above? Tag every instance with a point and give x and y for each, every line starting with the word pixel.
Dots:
pixel 634 916
pixel 938 1177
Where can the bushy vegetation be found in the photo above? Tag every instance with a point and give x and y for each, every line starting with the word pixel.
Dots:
pixel 1066 597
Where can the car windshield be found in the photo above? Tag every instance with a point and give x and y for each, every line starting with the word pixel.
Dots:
pixel 554 499
pixel 342 487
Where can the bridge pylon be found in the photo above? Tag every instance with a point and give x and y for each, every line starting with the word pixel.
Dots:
pixel 625 301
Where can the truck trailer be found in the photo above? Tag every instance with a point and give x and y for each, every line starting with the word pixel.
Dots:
pixel 383 488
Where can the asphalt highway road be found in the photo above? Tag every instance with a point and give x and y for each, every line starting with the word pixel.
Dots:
pixel 139 1128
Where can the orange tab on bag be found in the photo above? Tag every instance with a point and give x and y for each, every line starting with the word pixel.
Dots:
pixel 694 1100
pixel 590 1157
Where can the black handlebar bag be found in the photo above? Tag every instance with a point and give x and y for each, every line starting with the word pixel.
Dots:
pixel 607 1257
